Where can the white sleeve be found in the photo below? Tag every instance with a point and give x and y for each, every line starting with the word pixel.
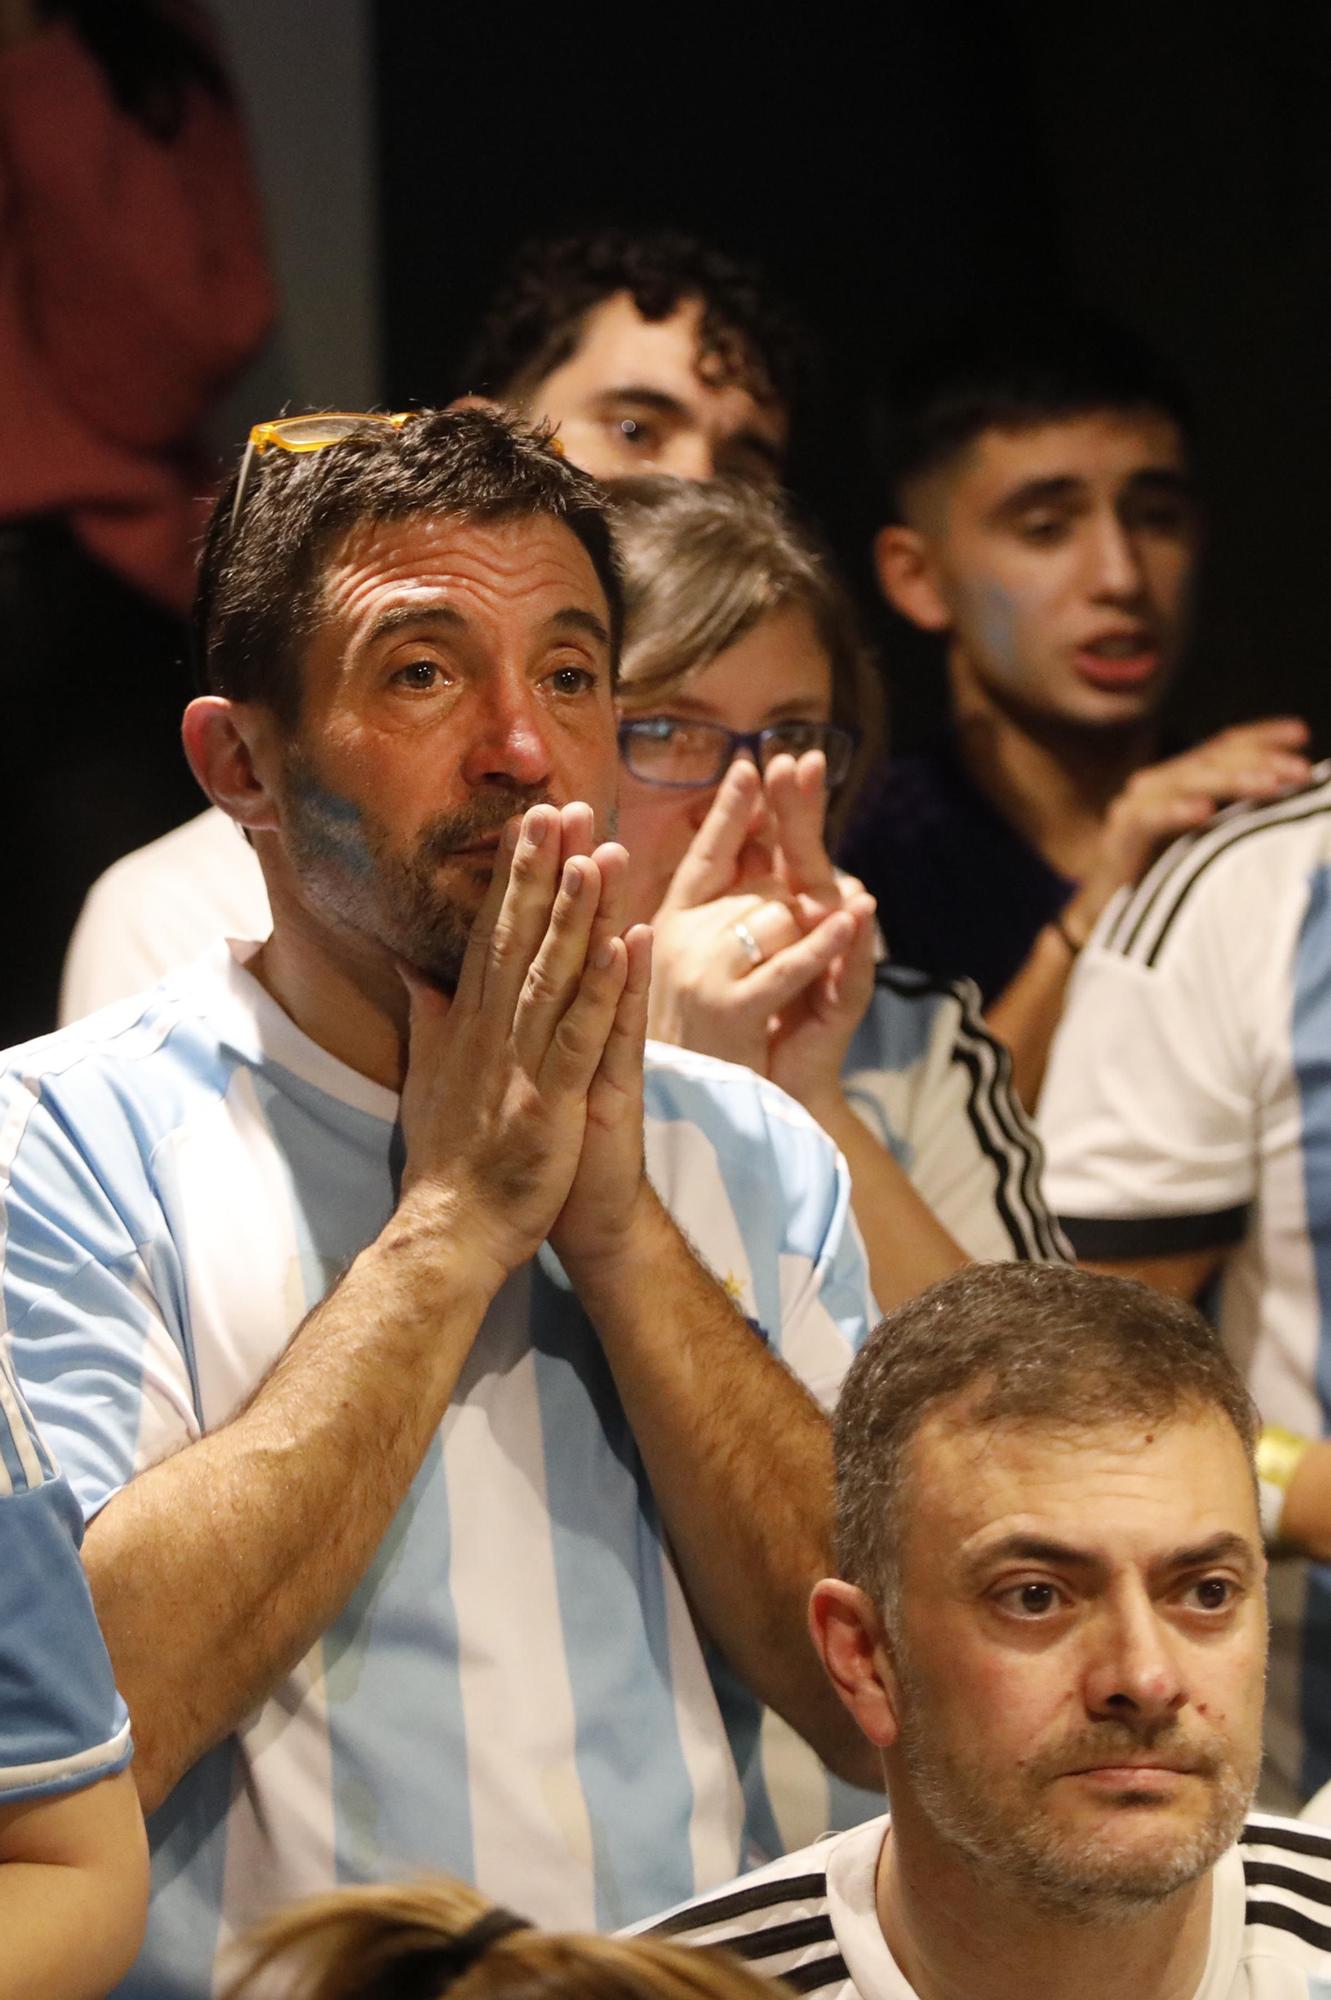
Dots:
pixel 1148 1110
pixel 159 908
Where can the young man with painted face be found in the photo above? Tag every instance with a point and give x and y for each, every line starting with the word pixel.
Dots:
pixel 1046 527
pixel 651 353
pixel 1049 1621
pixel 421 1453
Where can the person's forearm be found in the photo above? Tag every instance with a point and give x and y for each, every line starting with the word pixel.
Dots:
pixel 215 1571
pixel 907 1246
pixel 739 1458
pixel 1305 1519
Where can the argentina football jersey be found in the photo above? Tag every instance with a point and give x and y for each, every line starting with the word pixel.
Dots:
pixel 517 1692
pixel 1187 1116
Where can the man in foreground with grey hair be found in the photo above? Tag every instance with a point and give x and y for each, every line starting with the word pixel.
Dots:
pixel 1050 1622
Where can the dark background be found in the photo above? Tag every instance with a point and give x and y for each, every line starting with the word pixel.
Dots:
pixel 1166 162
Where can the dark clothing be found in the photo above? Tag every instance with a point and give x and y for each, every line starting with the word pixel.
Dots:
pixel 92 683
pixel 960 894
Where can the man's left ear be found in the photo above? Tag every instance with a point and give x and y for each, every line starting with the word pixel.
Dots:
pixel 850 1640
pixel 224 742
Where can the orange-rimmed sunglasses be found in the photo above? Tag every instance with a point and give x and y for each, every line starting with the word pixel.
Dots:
pixel 301 434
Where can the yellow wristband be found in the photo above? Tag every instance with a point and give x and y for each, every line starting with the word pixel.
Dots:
pixel 1279 1453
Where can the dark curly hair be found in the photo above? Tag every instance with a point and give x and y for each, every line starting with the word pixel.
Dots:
pixel 747 334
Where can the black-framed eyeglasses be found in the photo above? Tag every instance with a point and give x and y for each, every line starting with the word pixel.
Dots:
pixel 667 750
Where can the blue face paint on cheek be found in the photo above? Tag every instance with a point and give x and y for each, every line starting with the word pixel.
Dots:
pixel 995 621
pixel 326 826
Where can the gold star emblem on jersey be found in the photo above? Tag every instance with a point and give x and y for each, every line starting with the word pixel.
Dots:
pixel 733 1288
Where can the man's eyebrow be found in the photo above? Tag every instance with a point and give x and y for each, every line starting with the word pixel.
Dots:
pixel 1223 1547
pixel 638 392
pixel 1032 1548
pixel 1049 492
pixel 576 618
pixel 1162 479
pixel 1060 488
pixel 400 616
pixel 411 617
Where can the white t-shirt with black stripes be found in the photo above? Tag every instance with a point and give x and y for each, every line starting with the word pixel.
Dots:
pixel 1188 1107
pixel 811 1920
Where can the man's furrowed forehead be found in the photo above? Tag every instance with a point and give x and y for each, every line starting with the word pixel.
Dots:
pixel 515 564
pixel 1175 1479
pixel 1090 448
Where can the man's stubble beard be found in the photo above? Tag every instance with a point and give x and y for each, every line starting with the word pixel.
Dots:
pixel 1069 1875
pixel 351 875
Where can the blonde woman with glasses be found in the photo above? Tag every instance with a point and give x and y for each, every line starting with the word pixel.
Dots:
pixel 749 711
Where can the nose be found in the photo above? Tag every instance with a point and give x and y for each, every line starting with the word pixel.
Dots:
pixel 507 741
pixel 1116 573
pixel 1134 1671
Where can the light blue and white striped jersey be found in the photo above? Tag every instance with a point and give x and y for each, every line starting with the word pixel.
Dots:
pixel 62 1724
pixel 516 1693
pixel 1187 1108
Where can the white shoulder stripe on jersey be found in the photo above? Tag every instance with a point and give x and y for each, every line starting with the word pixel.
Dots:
pixel 1140 921
pixel 15 1777
pixel 33 1458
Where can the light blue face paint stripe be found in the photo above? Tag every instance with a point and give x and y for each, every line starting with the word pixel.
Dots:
pixel 1311 1058
pixel 608 1573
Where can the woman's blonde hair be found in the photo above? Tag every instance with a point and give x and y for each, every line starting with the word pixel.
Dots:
pixel 410 1943
pixel 703 563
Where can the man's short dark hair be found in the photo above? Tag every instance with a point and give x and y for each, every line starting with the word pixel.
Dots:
pixel 1012 1344
pixel 747 334
pixel 1012 371
pixel 260 583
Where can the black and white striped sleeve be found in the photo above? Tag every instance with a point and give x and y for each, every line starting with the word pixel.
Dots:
pixel 936 1087
pixel 1175 1034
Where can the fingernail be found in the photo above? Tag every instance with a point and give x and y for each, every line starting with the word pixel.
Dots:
pixel 572 878
pixel 605 955
pixel 537 829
